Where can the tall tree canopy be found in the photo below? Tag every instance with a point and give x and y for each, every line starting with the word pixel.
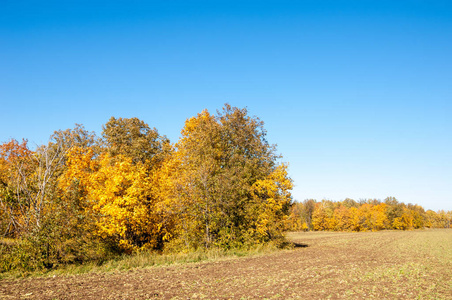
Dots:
pixel 133 138
pixel 226 175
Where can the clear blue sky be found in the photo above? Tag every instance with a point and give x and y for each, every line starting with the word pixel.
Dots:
pixel 357 94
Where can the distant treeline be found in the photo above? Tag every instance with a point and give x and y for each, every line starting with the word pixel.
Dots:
pixel 364 215
pixel 85 197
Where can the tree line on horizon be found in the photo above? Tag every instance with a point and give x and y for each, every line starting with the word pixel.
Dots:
pixel 83 197
pixel 363 215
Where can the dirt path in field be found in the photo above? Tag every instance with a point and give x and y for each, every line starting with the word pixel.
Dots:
pixel 324 269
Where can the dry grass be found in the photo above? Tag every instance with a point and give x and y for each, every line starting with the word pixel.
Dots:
pixel 144 260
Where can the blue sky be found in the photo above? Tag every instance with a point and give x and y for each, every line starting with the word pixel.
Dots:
pixel 357 94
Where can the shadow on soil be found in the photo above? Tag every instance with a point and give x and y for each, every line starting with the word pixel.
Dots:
pixel 300 245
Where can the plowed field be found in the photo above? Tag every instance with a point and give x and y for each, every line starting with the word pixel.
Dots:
pixel 380 265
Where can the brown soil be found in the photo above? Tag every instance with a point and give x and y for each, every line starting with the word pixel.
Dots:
pixel 335 266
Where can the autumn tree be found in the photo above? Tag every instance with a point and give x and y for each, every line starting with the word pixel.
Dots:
pixel 357 219
pixel 227 173
pixel 116 184
pixel 271 200
pixel 309 206
pixel 122 199
pixel 28 183
pixel 299 218
pixel 341 217
pixel 440 219
pixel 17 166
pixel 374 216
pixel 322 217
pixel 131 137
pixel 349 203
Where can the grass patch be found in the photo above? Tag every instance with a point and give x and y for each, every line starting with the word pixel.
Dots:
pixel 147 260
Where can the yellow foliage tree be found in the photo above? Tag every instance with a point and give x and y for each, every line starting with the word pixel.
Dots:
pixel 226 186
pixel 119 193
pixel 297 218
pixel 341 218
pixel 356 219
pixel 19 202
pixel 374 216
pixel 405 221
pixel 379 219
pixel 321 219
pixel 272 197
